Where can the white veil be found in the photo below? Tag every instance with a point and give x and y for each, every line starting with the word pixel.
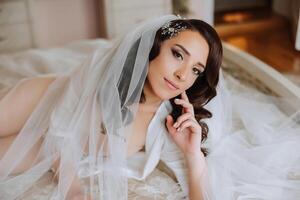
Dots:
pixel 82 121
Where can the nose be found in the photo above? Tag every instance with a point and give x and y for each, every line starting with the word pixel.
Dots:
pixel 181 73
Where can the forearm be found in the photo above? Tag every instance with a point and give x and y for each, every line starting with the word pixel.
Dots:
pixel 196 166
pixel 76 191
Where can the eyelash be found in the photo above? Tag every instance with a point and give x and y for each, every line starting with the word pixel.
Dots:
pixel 177 55
pixel 196 71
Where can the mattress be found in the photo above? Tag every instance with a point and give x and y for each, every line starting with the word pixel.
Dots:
pixel 242 72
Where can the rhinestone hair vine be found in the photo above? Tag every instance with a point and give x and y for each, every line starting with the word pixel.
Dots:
pixel 171 30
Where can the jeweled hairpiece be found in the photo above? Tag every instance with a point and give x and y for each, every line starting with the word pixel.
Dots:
pixel 171 29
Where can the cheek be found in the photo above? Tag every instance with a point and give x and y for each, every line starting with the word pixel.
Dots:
pixel 190 83
pixel 154 75
pixel 165 62
pixel 161 66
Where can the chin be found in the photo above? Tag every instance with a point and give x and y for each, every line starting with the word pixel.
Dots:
pixel 173 96
pixel 165 94
pixel 160 90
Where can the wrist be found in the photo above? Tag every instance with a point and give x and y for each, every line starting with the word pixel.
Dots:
pixel 195 163
pixel 196 158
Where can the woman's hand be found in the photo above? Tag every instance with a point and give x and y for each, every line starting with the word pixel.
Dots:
pixel 186 131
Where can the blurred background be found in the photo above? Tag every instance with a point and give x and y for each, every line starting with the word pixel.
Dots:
pixel 267 29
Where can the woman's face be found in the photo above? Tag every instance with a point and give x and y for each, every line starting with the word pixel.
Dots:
pixel 178 64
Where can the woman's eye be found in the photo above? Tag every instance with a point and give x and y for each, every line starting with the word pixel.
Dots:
pixel 176 54
pixel 196 71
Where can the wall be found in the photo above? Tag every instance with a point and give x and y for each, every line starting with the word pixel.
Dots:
pixel 202 9
pixel 223 5
pixel 57 22
pixel 282 7
pixel 290 9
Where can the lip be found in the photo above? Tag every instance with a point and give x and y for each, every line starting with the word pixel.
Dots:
pixel 171 85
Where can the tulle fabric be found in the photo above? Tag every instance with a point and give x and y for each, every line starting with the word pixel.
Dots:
pixel 83 120
pixel 258 157
pixel 253 144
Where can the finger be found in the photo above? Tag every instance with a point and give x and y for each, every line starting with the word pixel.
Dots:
pixel 184 96
pixel 169 124
pixel 186 105
pixel 195 128
pixel 182 118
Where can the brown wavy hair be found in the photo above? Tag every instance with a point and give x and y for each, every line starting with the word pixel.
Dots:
pixel 204 88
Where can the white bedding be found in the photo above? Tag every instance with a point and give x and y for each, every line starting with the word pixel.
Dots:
pixel 35 62
pixel 158 185
pixel 30 63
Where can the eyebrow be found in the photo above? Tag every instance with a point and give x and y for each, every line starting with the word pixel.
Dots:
pixel 188 53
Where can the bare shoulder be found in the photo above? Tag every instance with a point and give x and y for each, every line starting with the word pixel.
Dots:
pixel 30 90
pixel 19 103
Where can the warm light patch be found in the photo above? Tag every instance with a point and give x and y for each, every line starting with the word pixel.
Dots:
pixel 236 17
pixel 240 42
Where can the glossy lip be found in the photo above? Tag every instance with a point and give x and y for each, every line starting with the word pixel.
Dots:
pixel 171 85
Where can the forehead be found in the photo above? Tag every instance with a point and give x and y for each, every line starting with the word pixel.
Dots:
pixel 194 43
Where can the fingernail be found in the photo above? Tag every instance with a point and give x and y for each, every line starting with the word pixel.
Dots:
pixel 175 125
pixel 176 100
pixel 178 129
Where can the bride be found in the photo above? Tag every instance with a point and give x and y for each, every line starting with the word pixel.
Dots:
pixel 157 94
